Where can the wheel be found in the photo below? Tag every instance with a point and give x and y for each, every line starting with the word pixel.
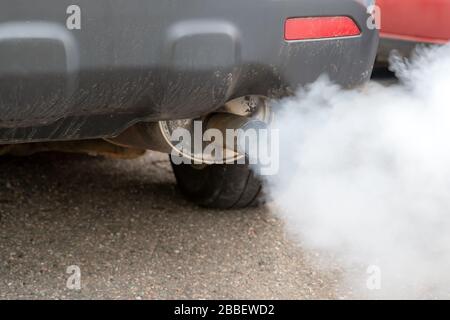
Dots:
pixel 224 186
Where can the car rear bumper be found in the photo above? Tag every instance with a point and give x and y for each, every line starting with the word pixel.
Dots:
pixel 147 60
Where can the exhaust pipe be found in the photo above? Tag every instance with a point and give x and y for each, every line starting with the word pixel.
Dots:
pixel 237 130
pixel 244 131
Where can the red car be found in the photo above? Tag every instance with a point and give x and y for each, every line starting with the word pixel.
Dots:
pixel 404 24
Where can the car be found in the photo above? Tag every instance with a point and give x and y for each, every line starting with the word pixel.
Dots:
pixel 116 78
pixel 406 24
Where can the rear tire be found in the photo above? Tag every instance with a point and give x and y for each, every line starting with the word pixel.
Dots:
pixel 225 186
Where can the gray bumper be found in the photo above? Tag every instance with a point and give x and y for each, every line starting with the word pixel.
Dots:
pixel 136 60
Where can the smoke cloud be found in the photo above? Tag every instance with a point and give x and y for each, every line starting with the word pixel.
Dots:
pixel 366 175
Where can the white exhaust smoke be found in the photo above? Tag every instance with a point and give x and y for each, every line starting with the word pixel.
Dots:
pixel 366 176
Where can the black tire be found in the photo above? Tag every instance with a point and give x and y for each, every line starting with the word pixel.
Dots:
pixel 227 186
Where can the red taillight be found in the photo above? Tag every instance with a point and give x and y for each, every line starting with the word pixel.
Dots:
pixel 320 27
